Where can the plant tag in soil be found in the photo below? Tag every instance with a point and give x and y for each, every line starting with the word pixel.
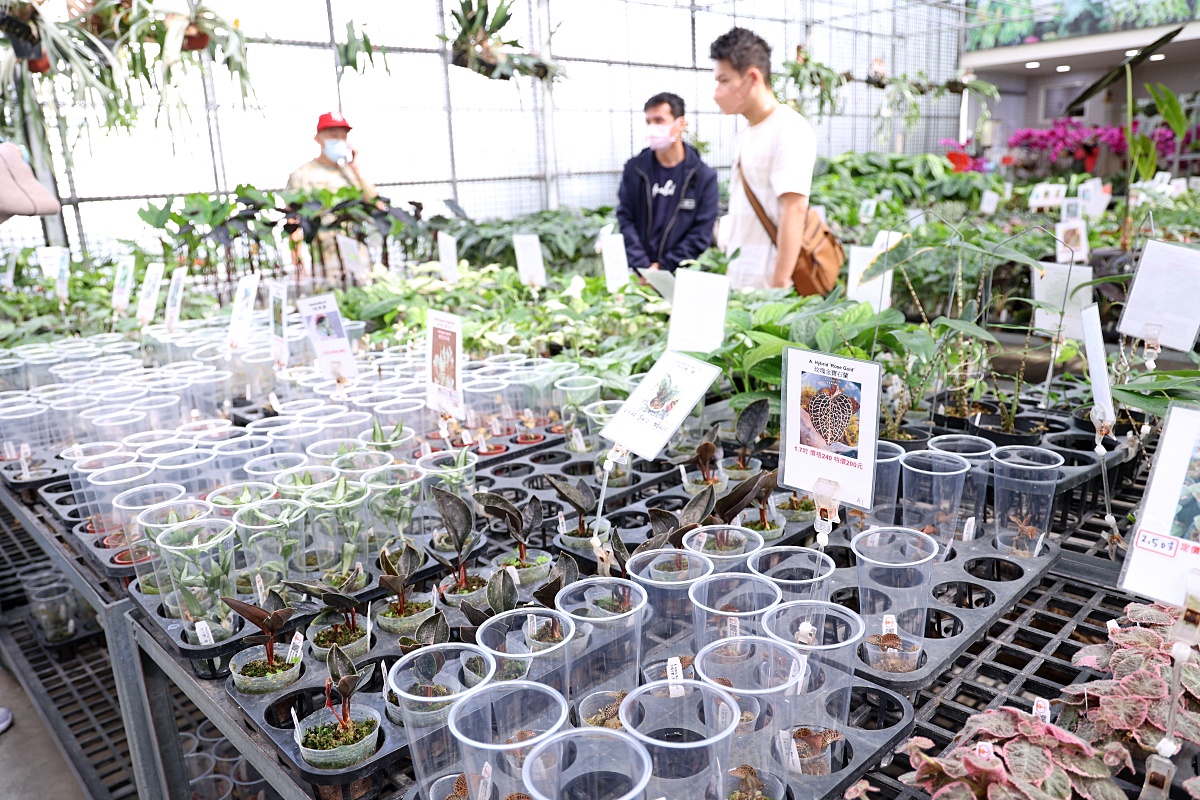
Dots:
pixel 26 452
pixel 1037 548
pixel 969 529
pixel 889 623
pixel 485 780
pixel 204 633
pixel 10 452
pixel 985 750
pixel 426 449
pixel 786 745
pixel 443 430
pixel 273 401
pixel 294 648
pixel 260 589
pixel 675 675
pixel 506 411
pixel 799 669
pixel 1112 625
pixel 531 623
pixel 467 439
pixel 368 624
pixel 1041 709
pixel 724 715
pixel 733 627
pixel 497 429
pixel 562 523
pixel 577 441
pixel 683 474
pixel 296 726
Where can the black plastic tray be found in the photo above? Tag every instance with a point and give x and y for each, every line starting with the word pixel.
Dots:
pixel 51 468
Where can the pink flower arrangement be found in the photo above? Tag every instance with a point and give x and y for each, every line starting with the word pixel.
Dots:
pixel 1076 139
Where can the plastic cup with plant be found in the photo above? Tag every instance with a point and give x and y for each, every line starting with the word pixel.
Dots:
pixel 521 524
pixel 269 618
pixel 344 730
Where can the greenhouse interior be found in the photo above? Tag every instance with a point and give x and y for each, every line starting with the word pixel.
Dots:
pixel 376 464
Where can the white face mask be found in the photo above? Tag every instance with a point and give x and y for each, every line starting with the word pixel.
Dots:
pixel 337 150
pixel 660 136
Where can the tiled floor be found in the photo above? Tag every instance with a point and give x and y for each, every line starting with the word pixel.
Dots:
pixel 31 765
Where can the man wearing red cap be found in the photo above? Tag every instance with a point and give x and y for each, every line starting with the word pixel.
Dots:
pixel 337 165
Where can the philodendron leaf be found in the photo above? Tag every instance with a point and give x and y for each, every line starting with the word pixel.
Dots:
pixel 662 522
pixel 569 494
pixel 456 516
pixel 501 592
pixel 699 507
pixel 340 664
pixel 752 421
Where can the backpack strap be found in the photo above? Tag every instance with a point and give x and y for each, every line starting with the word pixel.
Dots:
pixel 757 206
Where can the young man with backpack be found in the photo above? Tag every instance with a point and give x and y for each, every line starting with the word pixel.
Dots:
pixel 781 241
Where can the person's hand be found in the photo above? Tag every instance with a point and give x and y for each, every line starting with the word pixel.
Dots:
pixel 353 162
pixel 654 265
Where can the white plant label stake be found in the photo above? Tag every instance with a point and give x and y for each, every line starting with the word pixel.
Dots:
pixel 26 452
pixel 724 715
pixel 175 298
pixel 296 726
pixel 969 529
pixel 1041 709
pixel 260 589
pixel 786 745
pixel 294 649
pixel 147 305
pixel 675 676
pixel 889 624
pixel 485 780
pixel 204 633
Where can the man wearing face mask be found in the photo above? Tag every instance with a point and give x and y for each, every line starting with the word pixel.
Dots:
pixel 668 198
pixel 773 161
pixel 337 164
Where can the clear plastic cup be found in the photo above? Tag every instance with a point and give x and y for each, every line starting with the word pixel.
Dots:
pixel 533 644
pixel 894 568
pixel 801 573
pixel 978 451
pixel 613 608
pixel 933 485
pixel 588 762
pixel 729 604
pixel 728 546
pixel 668 630
pixel 1026 479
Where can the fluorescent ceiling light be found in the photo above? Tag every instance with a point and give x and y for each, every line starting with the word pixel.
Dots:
pixel 1062 68
pixel 1157 57
pixel 1032 64
pixel 1131 53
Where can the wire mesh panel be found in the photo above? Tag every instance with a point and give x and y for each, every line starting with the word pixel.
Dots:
pixel 427 131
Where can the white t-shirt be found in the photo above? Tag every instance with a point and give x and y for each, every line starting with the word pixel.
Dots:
pixel 777 155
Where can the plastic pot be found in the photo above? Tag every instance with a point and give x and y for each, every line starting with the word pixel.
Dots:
pixel 269 683
pixel 346 755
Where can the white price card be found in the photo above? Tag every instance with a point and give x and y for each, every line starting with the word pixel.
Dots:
pixel 279 347
pixel 1047 195
pixel 1163 545
pixel 1058 287
pixel 616 262
pixel 866 211
pixel 9 276
pixel 1072 209
pixel 1072 242
pixel 878 290
pixel 605 232
pixel 1165 285
pixel 830 424
pixel 698 308
pixel 989 202
pixel 660 403
pixel 243 311
pixel 175 298
pixel 355 257
pixel 122 284
pixel 530 265
pixel 448 256
pixel 323 323
pixel 147 305
pixel 48 258
pixel 1097 362
pixel 62 275
pixel 443 362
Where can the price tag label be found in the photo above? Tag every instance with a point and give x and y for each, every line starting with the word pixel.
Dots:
pixel 889 624
pixel 675 675
pixel 1041 709
pixel 1163 545
pixel 204 633
pixel 294 649
pixel 985 750
pixel 969 529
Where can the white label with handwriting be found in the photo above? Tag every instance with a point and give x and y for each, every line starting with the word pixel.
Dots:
pixel 786 745
pixel 260 589
pixel 675 675
pixel 1041 709
pixel 204 633
pixel 485 781
pixel 294 648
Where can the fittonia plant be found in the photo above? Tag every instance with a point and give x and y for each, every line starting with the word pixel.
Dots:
pixel 748 430
pixel 397 574
pixel 459 523
pixel 521 523
pixel 269 618
pixel 347 678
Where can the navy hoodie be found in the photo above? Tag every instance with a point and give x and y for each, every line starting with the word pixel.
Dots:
pixel 688 231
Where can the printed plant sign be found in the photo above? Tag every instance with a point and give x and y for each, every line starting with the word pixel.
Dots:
pixel 444 354
pixel 323 323
pixel 660 403
pixel 830 424
pixel 1164 547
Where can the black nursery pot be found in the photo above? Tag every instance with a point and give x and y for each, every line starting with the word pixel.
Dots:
pixel 946 420
pixel 1027 430
pixel 919 441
